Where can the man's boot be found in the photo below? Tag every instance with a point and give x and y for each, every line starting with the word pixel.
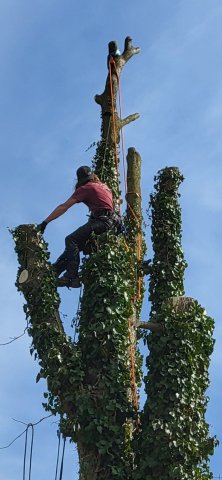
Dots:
pixel 70 278
pixel 60 265
pixel 65 281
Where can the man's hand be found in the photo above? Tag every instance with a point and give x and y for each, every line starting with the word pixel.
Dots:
pixel 42 226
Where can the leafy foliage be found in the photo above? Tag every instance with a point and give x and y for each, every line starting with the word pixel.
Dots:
pixel 174 442
pixel 108 411
pixel 58 357
pixel 168 262
pixel 89 383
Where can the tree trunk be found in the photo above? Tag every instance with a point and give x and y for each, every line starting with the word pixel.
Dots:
pixel 175 440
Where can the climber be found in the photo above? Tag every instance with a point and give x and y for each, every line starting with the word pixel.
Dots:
pixel 98 198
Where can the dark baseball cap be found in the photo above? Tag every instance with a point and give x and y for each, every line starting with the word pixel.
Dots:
pixel 83 172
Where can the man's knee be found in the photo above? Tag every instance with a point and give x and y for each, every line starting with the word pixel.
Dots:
pixel 71 243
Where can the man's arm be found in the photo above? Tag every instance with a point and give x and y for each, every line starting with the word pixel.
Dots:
pixel 61 209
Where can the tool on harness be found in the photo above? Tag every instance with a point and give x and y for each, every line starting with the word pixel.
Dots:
pixel 68 282
pixel 117 228
pixel 117 222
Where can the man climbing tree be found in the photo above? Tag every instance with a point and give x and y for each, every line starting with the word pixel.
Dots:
pixel 98 198
pixel 93 382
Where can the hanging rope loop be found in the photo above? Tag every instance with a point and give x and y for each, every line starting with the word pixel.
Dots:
pixel 29 426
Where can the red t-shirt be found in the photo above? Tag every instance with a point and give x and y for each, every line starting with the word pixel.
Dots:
pixel 95 195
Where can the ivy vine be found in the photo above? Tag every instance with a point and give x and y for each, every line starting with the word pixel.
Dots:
pixel 168 262
pixel 109 287
pixel 89 383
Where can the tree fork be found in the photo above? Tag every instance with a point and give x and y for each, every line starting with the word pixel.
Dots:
pixel 107 100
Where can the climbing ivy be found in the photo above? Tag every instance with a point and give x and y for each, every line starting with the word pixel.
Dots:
pixel 55 351
pixel 108 412
pixel 33 255
pixel 168 262
pixel 174 442
pixel 89 383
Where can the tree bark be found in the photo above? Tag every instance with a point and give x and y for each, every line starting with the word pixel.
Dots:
pixel 81 376
pixel 135 238
pixel 107 100
pixel 49 340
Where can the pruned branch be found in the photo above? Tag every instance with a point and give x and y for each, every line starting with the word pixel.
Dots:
pixel 38 285
pixel 129 119
pixel 129 49
pixel 107 99
pixel 181 304
pixel 153 327
pixel 33 261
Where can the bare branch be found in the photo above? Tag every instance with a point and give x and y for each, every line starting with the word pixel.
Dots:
pixel 129 49
pixel 129 119
pixel 154 327
pixel 14 338
pixel 98 99
pixel 181 304
pixel 107 99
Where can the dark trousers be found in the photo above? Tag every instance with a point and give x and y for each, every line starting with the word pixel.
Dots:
pixel 75 243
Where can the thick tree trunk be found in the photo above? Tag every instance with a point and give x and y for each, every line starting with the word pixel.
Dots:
pixel 106 161
pixel 174 440
pixel 37 281
pixel 135 238
pixel 91 383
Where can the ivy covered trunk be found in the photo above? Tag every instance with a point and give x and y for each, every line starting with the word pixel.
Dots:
pixel 175 442
pixel 108 410
pixel 92 383
pixel 107 336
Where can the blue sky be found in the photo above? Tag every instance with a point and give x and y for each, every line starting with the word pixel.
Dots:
pixel 53 62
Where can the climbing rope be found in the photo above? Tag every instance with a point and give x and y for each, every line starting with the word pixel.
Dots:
pixel 111 62
pixel 62 457
pixel 76 318
pixel 29 426
pixel 58 454
pixel 139 235
pixel 132 356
